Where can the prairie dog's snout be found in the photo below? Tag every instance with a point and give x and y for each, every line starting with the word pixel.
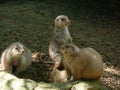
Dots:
pixel 22 51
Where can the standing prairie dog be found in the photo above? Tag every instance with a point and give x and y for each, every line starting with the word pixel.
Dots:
pixel 15 58
pixel 82 63
pixel 61 36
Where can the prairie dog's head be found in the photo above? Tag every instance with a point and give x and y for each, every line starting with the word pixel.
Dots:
pixel 17 49
pixel 69 49
pixel 62 21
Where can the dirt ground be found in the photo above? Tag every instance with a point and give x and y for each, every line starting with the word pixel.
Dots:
pixel 93 24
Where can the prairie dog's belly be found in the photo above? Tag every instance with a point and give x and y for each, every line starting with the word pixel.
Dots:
pixel 63 35
pixel 67 32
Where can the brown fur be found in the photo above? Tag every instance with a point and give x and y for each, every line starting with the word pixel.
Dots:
pixel 35 56
pixel 15 58
pixel 61 35
pixel 82 63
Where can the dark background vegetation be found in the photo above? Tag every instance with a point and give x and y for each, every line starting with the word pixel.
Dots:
pixel 94 23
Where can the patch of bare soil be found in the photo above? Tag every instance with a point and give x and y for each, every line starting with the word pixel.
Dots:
pixel 40 69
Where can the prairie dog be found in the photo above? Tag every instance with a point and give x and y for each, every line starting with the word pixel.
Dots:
pixel 15 58
pixel 61 36
pixel 59 76
pixel 82 63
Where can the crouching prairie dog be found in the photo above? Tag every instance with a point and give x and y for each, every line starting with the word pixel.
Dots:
pixel 15 58
pixel 61 35
pixel 83 63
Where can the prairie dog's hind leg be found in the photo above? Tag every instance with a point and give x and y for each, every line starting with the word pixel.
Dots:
pixel 58 61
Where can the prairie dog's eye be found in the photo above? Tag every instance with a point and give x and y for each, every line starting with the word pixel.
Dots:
pixel 16 48
pixel 62 19
pixel 67 46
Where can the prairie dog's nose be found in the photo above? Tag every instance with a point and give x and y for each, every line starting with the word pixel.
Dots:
pixel 23 51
